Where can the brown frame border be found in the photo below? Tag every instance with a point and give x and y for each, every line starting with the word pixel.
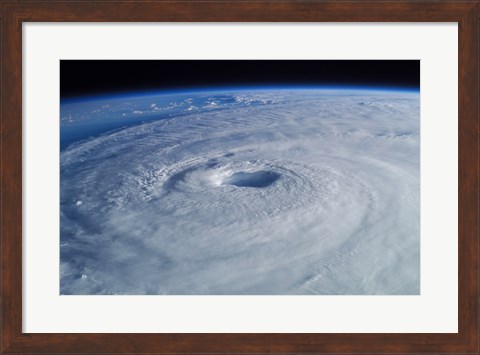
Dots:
pixel 14 12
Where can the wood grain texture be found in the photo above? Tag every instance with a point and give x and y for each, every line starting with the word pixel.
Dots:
pixel 240 11
pixel 468 177
pixel 14 13
pixel 11 179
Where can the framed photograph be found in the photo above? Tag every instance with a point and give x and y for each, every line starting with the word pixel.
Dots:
pixel 240 177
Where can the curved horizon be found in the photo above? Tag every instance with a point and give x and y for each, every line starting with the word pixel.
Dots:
pixel 159 92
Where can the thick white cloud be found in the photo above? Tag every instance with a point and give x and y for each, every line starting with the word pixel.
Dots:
pixel 282 192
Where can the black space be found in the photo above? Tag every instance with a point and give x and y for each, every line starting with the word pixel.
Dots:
pixel 92 77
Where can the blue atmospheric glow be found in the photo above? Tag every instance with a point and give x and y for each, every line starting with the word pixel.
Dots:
pixel 227 89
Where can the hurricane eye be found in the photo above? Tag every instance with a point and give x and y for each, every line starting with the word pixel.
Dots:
pixel 257 179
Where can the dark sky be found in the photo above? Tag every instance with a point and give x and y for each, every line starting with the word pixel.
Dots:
pixel 91 77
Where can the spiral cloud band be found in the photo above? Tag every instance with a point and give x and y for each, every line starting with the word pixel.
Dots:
pixel 249 192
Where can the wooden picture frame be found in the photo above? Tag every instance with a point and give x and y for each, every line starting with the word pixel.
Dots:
pixel 16 12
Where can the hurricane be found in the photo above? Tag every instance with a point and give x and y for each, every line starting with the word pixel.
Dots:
pixel 267 191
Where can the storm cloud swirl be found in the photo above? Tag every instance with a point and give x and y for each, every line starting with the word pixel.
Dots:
pixel 262 192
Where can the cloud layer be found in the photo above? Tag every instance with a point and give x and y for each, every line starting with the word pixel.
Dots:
pixel 276 192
